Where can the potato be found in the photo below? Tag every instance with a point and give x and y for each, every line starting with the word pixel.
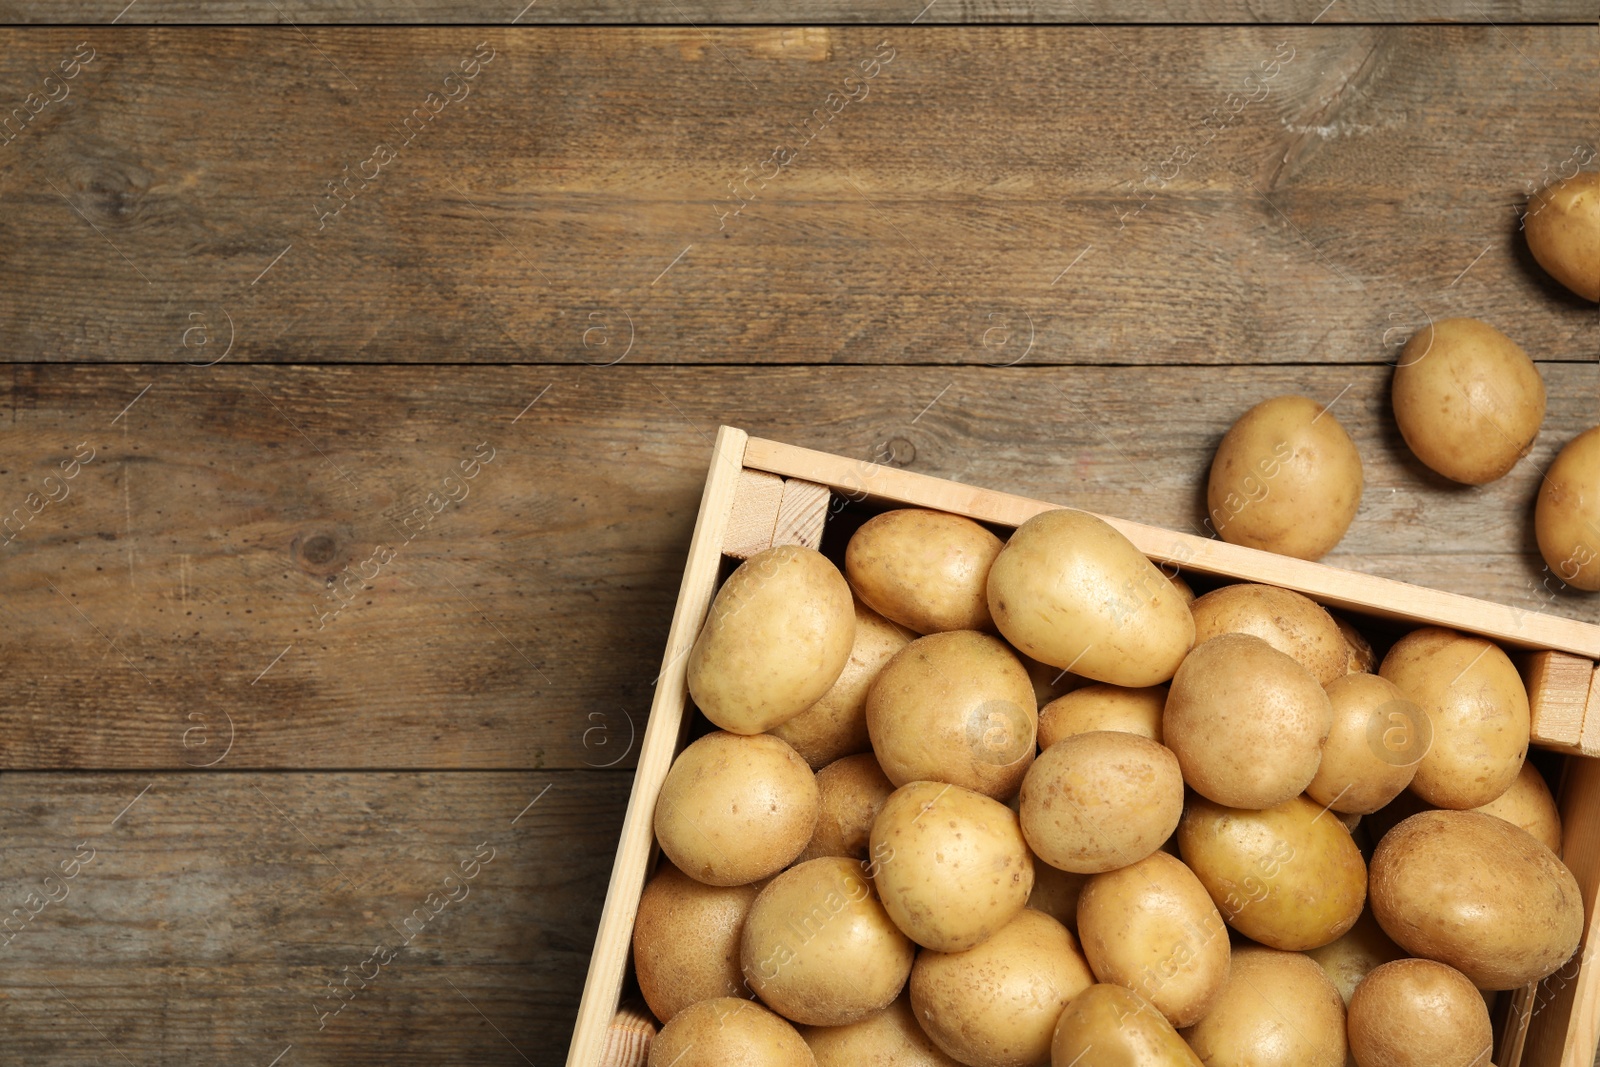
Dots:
pixel 777 637
pixel 1418 1013
pixel 850 792
pixel 1049 682
pixel 1152 927
pixel 1277 1010
pixel 1293 624
pixel 1566 519
pixel 810 926
pixel 836 725
pixel 1056 893
pixel 1563 226
pixel 1103 707
pixel 1477 709
pixel 1181 586
pixel 1124 1029
pixel 1372 752
pixel 950 865
pixel 727 1032
pixel 1098 801
pixel 925 570
pixel 1286 478
pixel 1468 399
pixel 891 1038
pixel 735 809
pixel 686 941
pixel 1289 876
pixel 1246 722
pixel 1475 892
pixel 954 707
pixel 1362 659
pixel 1529 805
pixel 996 1005
pixel 1349 959
pixel 1071 591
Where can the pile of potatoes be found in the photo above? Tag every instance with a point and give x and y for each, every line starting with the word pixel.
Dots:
pixel 1029 802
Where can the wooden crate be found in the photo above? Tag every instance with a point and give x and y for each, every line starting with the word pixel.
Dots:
pixel 762 492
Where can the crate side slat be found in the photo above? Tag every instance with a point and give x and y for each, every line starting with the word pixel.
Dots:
pixel 603 986
pixel 1331 586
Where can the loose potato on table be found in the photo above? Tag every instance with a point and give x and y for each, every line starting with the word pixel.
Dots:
pixel 1477 710
pixel 776 639
pixel 1566 519
pixel 1477 893
pixel 925 570
pixel 1563 227
pixel 727 1032
pixel 836 725
pixel 1103 707
pixel 954 707
pixel 1070 591
pixel 1295 625
pixel 735 809
pixel 1277 1010
pixel 686 941
pixel 1468 400
pixel 1418 1013
pixel 1113 1025
pixel 1378 738
pixel 1529 805
pixel 1286 478
pixel 950 865
pixel 891 1038
pixel 850 794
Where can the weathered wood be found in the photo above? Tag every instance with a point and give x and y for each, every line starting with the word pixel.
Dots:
pixel 996 195
pixel 216 910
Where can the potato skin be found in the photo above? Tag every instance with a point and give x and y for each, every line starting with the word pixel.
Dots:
pixel 1288 876
pixel 728 1032
pixel 1477 709
pixel 891 1038
pixel 851 792
pixel 1529 805
pixel 1418 1013
pixel 1566 519
pixel 1277 1010
pixel 1477 893
pixel 1286 478
pixel 925 570
pixel 686 941
pixel 1069 590
pixel 1359 772
pixel 1102 800
pixel 1468 400
pixel 1103 707
pixel 734 808
pixel 1295 625
pixel 776 639
pixel 1124 1029
pixel 1246 722
pixel 1563 227
pixel 1352 957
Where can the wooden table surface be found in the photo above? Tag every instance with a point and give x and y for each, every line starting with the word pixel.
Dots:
pixel 273 668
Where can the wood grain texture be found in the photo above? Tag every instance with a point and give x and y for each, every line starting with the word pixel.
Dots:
pixel 802 514
pixel 522 626
pixel 997 195
pixel 217 909
pixel 1558 692
pixel 756 500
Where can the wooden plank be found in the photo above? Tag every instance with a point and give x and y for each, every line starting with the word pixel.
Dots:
pixel 662 740
pixel 803 514
pixel 194 541
pixel 1558 691
pixel 756 502
pixel 1329 219
pixel 1589 742
pixel 216 910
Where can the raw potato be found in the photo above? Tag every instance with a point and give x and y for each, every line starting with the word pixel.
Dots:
pixel 996 1005
pixel 1071 591
pixel 923 569
pixel 1289 876
pixel 1349 959
pixel 777 637
pixel 891 1038
pixel 1468 399
pixel 954 707
pixel 1361 770
pixel 1362 659
pixel 1246 722
pixel 950 864
pixel 1125 1029
pixel 1528 804
pixel 836 725
pixel 1475 892
pixel 1049 682
pixel 1477 708
pixel 1295 625
pixel 813 924
pixel 735 809
pixel 851 792
pixel 1152 927
pixel 1567 518
pixel 1563 225
pixel 1418 1013
pixel 1103 707
pixel 1277 1010
pixel 686 941
pixel 1286 478
pixel 1056 893
pixel 1098 801
pixel 727 1032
